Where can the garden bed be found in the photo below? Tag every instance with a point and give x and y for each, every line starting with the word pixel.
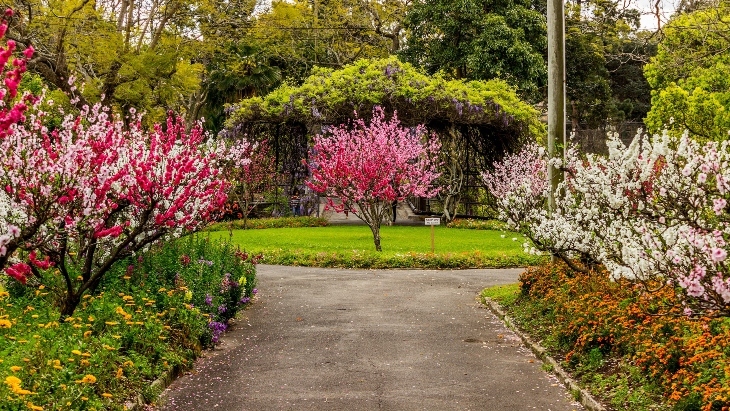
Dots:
pixel 150 315
pixel 632 349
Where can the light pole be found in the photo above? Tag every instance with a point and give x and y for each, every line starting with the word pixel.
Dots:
pixel 556 89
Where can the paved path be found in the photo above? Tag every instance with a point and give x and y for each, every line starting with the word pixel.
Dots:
pixel 327 339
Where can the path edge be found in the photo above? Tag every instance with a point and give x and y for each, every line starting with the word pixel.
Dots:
pixel 583 396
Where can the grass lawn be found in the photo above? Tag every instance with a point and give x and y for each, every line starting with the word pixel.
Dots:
pixel 403 247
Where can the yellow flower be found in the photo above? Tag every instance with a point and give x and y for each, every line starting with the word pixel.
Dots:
pixel 91 319
pixel 77 352
pixel 34 407
pixel 111 323
pixel 15 368
pixel 128 363
pixel 188 295
pixel 88 379
pixel 85 363
pixel 120 373
pixel 87 333
pixel 14 383
pixel 12 380
pixel 106 395
pixel 5 323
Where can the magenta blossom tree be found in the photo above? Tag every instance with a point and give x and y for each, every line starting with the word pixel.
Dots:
pixel 77 199
pixel 370 166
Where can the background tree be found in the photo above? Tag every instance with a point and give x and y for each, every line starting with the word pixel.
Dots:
pixel 605 52
pixel 370 166
pixel 303 34
pixel 480 40
pixel 251 174
pixel 148 54
pixel 689 76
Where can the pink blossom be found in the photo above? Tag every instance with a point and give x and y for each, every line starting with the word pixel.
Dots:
pixel 719 254
pixel 719 205
pixel 370 166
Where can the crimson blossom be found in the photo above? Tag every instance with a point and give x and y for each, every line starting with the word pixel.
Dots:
pixel 368 167
pixel 76 199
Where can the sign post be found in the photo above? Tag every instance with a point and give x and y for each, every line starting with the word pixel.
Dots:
pixel 432 221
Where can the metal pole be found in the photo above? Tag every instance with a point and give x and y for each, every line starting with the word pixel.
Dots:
pixel 556 89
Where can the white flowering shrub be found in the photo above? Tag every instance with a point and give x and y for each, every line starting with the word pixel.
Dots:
pixel 655 210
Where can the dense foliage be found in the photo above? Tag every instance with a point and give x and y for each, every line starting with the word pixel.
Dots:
pixel 690 75
pixel 480 40
pixel 332 96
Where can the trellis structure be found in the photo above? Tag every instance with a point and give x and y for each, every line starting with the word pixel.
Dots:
pixel 477 122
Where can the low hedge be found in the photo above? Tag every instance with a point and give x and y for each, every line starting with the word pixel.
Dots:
pixel 381 260
pixel 153 313
pixel 261 223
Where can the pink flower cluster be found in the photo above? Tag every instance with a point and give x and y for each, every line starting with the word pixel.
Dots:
pixel 95 188
pixel 373 165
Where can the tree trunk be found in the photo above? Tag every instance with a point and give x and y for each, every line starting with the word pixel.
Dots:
pixel 375 228
pixel 69 304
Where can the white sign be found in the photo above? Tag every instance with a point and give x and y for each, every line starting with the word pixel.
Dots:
pixel 433 221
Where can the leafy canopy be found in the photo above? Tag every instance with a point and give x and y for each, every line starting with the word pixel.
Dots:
pixel 690 75
pixel 331 97
pixel 479 40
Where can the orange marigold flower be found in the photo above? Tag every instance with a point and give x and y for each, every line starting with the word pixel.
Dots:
pixel 88 379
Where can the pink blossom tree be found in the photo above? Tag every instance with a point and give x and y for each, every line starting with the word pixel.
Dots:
pixel 249 178
pixel 78 199
pixel 370 166
pixel 100 192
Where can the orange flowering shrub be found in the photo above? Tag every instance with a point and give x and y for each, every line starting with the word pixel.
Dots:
pixel 687 358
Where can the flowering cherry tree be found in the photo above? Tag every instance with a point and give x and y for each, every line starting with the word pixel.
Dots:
pixel 251 174
pixel 370 166
pixel 655 212
pixel 77 199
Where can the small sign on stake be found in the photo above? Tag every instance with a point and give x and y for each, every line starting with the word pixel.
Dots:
pixel 432 221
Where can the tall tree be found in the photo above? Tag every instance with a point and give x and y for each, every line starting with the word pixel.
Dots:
pixel 148 54
pixel 479 40
pixel 690 75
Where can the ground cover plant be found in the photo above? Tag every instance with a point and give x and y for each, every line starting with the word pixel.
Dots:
pixel 407 247
pixel 156 311
pixel 612 337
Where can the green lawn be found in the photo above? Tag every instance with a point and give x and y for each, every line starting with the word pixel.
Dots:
pixel 352 246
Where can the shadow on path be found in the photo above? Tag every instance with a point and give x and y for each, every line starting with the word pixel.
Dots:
pixel 330 339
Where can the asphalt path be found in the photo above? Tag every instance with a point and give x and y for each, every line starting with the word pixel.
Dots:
pixel 331 339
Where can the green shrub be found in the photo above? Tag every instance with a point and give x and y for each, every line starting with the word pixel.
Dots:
pixel 476 224
pixel 260 223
